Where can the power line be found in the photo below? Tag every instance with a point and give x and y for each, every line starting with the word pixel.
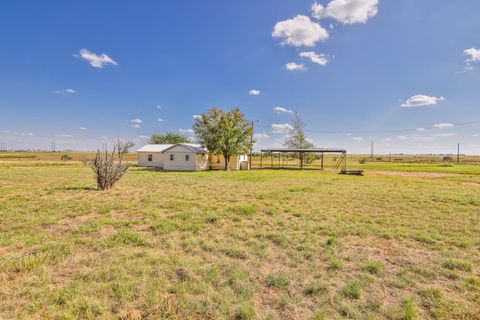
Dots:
pixel 459 124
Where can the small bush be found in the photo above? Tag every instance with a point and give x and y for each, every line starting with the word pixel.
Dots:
pixel 362 161
pixel 66 157
pixel 110 167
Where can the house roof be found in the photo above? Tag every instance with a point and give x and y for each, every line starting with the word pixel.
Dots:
pixel 190 146
pixel 164 147
pixel 155 147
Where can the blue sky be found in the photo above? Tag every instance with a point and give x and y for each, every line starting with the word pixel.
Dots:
pixel 354 69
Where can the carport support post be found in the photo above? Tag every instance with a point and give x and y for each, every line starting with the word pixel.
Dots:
pixel 322 161
pixel 344 164
pixel 301 159
pixel 272 159
pixel 261 158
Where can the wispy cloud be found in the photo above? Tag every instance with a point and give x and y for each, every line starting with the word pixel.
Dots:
pixel 281 109
pixel 254 92
pixel 422 100
pixel 66 91
pixel 293 66
pixel 96 61
pixel 281 128
pixel 299 31
pixel 321 59
pixel 443 125
pixel 358 139
pixel 261 136
pixel 135 123
pixel 185 130
pixel 160 120
pixel 83 128
pixel 402 138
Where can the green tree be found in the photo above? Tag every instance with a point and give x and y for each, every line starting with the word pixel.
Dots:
pixel 296 136
pixel 168 138
pixel 297 139
pixel 225 132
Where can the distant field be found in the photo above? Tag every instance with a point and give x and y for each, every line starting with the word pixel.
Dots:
pixel 402 242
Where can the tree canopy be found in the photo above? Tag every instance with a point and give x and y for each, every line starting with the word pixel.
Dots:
pixel 296 137
pixel 224 132
pixel 168 138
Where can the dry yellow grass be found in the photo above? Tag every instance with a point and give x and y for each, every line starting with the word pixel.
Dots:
pixel 237 245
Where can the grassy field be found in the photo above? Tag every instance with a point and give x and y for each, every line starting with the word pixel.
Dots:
pixel 263 244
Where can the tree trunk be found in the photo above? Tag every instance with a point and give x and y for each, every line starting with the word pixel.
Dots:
pixel 227 162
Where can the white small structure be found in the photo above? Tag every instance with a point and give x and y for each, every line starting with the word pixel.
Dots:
pixel 186 157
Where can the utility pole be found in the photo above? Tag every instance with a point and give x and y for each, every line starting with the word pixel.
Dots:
pixel 458 153
pixel 251 146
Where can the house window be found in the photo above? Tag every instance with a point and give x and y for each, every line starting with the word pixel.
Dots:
pixel 150 157
pixel 171 157
pixel 187 157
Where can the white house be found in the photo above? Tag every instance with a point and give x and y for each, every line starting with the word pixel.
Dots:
pixel 186 157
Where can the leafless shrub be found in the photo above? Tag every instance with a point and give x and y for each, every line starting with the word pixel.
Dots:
pixel 110 167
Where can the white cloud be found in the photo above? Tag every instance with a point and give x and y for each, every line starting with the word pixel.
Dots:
pixel 197 117
pixel 443 125
pixel 254 92
pixel 158 107
pixel 401 138
pixel 186 130
pixel 281 128
pixel 422 100
pixel 62 135
pixel 83 128
pixel 160 120
pixel 421 129
pixel 135 123
pixel 96 61
pixel 388 139
pixel 292 66
pixel 473 56
pixel 143 137
pixel 358 139
pixel 281 109
pixel 66 91
pixel 299 31
pixel 261 136
pixel 347 11
pixel 321 59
